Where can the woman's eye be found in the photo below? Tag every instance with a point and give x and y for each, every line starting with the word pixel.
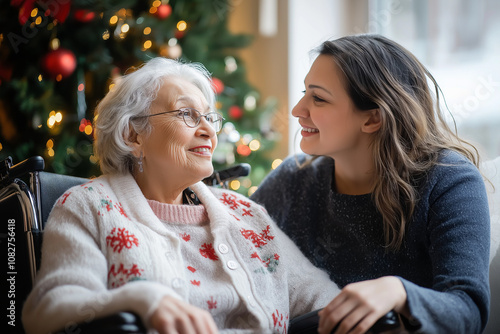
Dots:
pixel 318 99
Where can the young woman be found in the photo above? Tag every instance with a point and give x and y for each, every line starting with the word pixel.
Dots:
pixel 391 204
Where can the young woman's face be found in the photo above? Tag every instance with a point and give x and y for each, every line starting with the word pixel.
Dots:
pixel 331 124
pixel 173 149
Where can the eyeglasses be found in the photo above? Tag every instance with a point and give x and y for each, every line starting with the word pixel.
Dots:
pixel 192 117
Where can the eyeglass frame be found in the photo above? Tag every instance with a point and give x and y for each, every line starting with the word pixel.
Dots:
pixel 197 121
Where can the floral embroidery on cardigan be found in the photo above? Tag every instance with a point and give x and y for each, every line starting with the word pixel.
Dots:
pixel 269 262
pixel 280 322
pixel 212 303
pixel 185 236
pixel 258 239
pixel 63 198
pixel 208 251
pixel 234 203
pixel 120 276
pixel 122 239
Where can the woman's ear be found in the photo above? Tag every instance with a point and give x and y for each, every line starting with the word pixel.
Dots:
pixel 373 123
pixel 135 141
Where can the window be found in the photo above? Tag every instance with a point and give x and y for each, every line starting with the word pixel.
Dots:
pixel 459 42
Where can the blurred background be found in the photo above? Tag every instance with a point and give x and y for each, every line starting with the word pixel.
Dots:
pixel 58 59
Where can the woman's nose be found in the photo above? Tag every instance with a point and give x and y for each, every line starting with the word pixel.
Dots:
pixel 205 128
pixel 300 110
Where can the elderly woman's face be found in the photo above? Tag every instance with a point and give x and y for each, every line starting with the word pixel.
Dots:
pixel 173 149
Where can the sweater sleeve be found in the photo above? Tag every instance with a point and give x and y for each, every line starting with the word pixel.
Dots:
pixel 310 288
pixel 71 286
pixel 458 235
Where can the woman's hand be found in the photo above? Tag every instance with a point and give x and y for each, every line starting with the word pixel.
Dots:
pixel 173 316
pixel 359 305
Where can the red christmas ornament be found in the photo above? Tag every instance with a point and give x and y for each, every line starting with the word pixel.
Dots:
pixel 163 11
pixel 59 62
pixel 235 112
pixel 83 15
pixel 217 85
pixel 243 150
pixel 58 10
pixel 179 34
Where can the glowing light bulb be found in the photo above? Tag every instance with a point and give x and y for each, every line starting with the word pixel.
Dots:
pixel 254 145
pixel 181 25
pixel 276 163
pixel 252 190
pixel 235 184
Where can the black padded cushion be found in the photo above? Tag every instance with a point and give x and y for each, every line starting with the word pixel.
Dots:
pixel 52 186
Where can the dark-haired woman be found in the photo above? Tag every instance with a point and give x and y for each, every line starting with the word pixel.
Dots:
pixel 388 199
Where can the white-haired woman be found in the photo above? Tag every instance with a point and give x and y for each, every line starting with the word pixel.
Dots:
pixel 149 237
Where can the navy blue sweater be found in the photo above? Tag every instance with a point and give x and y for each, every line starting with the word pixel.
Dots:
pixel 443 263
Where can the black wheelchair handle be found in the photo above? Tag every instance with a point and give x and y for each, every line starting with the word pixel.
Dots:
pixel 228 174
pixel 308 323
pixel 9 172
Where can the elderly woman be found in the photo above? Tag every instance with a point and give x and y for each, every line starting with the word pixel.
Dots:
pixel 147 236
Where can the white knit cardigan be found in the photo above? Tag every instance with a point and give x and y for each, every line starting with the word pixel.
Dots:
pixel 105 251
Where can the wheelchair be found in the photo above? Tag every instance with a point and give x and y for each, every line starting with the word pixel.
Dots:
pixel 27 195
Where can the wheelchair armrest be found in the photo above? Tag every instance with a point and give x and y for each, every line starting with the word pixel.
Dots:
pixel 119 323
pixel 308 323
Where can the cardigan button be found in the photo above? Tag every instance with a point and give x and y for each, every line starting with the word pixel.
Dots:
pixel 177 283
pixel 232 265
pixel 223 248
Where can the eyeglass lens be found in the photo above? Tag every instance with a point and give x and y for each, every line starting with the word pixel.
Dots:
pixel 192 118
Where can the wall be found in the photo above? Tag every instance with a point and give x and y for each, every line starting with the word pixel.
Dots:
pixel 266 61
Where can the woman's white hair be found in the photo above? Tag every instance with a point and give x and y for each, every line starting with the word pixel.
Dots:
pixel 131 97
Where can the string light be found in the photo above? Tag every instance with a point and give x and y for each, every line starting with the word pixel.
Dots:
pixel 85 126
pixel 181 25
pixel 105 35
pixel 235 184
pixel 54 118
pixel 254 145
pixel 1 147
pixel 40 77
pixel 146 31
pixel 88 129
pixel 252 190
pixel 125 28
pixel 113 19
pixel 50 147
pixel 250 102
pixel 147 44
pixel 55 43
pixel 276 163
pixel 34 12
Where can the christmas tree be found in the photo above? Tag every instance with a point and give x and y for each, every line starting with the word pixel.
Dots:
pixel 58 58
